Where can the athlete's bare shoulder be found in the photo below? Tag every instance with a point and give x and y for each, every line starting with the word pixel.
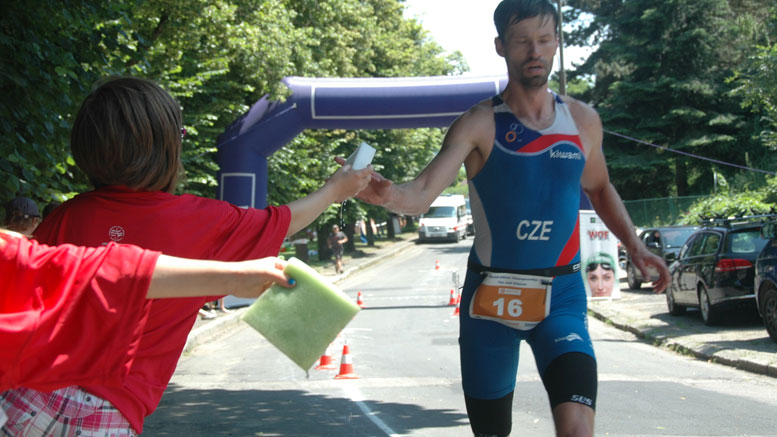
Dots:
pixel 471 136
pixel 587 120
pixel 473 126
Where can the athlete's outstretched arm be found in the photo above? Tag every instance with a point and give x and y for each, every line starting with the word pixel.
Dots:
pixel 415 196
pixel 607 202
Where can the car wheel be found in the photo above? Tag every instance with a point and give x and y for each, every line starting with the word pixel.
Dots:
pixel 674 309
pixel 770 312
pixel 631 277
pixel 709 313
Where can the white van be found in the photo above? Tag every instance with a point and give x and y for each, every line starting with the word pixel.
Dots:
pixel 446 219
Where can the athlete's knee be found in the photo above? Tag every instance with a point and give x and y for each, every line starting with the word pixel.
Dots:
pixel 490 417
pixel 571 377
pixel 573 420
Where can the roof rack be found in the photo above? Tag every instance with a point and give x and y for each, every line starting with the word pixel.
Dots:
pixel 729 221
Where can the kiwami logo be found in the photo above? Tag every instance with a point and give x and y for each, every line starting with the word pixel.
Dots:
pixel 555 154
pixel 571 337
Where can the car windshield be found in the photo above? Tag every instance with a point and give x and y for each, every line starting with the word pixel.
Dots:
pixel 748 241
pixel 440 211
pixel 677 237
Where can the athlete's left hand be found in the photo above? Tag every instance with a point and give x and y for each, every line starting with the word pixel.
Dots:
pixel 642 258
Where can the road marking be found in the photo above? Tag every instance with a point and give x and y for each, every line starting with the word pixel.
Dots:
pixel 352 392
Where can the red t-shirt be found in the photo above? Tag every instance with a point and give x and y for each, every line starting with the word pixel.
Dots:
pixel 185 226
pixel 70 315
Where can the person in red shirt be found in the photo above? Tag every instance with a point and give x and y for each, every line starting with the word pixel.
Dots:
pixel 127 140
pixel 50 296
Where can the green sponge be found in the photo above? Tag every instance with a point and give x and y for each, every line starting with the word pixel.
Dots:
pixel 303 320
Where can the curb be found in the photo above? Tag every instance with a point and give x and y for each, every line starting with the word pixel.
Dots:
pixel 694 349
pixel 221 325
pixel 209 331
pixel 217 327
pixel 392 251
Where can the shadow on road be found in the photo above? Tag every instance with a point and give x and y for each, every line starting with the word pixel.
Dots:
pixel 188 412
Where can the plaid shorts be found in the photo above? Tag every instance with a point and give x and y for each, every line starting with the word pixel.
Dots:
pixel 68 412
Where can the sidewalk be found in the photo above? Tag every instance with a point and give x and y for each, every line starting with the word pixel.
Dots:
pixel 742 343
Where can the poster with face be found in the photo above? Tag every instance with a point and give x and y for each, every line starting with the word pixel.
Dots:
pixel 598 258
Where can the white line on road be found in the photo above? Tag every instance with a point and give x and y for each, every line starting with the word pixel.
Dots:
pixel 355 395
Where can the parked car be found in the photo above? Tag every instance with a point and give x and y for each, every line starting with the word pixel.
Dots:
pixel 715 269
pixel 664 241
pixel 766 280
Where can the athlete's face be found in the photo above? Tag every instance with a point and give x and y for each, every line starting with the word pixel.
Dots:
pixel 528 48
pixel 601 281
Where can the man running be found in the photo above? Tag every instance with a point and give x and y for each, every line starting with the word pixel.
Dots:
pixel 527 153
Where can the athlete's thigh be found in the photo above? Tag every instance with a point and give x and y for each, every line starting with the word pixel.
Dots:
pixel 488 350
pixel 565 329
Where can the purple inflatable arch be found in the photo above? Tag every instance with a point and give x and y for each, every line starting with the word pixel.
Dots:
pixel 324 103
pixel 319 103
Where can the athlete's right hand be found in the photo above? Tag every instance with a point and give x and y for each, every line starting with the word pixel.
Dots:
pixel 376 191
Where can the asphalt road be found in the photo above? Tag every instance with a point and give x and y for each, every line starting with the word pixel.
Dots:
pixel 404 349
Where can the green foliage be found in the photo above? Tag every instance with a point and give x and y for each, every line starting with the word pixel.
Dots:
pixel 727 204
pixel 723 206
pixel 756 83
pixel 660 75
pixel 216 57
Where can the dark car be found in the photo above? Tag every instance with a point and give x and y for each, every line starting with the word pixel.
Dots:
pixel 766 280
pixel 715 269
pixel 665 242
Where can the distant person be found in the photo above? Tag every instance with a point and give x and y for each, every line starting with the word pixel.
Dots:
pixel 335 242
pixel 127 138
pixel 600 273
pixel 22 216
pixel 527 153
pixel 51 296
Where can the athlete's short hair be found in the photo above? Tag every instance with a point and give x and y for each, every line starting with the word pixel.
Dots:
pixel 128 132
pixel 513 11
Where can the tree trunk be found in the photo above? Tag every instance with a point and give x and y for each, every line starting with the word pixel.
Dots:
pixel 390 227
pixel 322 232
pixel 370 235
pixel 348 231
pixel 681 177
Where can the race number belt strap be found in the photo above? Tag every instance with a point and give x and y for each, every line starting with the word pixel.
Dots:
pixel 550 271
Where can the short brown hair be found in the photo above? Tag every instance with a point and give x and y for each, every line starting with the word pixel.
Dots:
pixel 513 11
pixel 128 132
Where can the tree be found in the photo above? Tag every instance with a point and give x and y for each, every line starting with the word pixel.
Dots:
pixel 660 75
pixel 216 57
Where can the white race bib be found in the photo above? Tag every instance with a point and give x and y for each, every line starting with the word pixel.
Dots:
pixel 518 301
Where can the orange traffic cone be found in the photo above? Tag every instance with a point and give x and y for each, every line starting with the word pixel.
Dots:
pixel 346 366
pixel 457 311
pixel 452 301
pixel 325 363
pixel 359 300
pixel 437 265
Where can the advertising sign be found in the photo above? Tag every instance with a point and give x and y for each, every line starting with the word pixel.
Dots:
pixel 599 258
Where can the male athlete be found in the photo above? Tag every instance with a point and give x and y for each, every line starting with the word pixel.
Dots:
pixel 527 153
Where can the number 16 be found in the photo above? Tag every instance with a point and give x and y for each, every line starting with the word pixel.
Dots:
pixel 514 308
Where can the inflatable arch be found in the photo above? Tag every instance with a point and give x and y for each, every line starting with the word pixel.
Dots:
pixel 353 103
pixel 320 103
